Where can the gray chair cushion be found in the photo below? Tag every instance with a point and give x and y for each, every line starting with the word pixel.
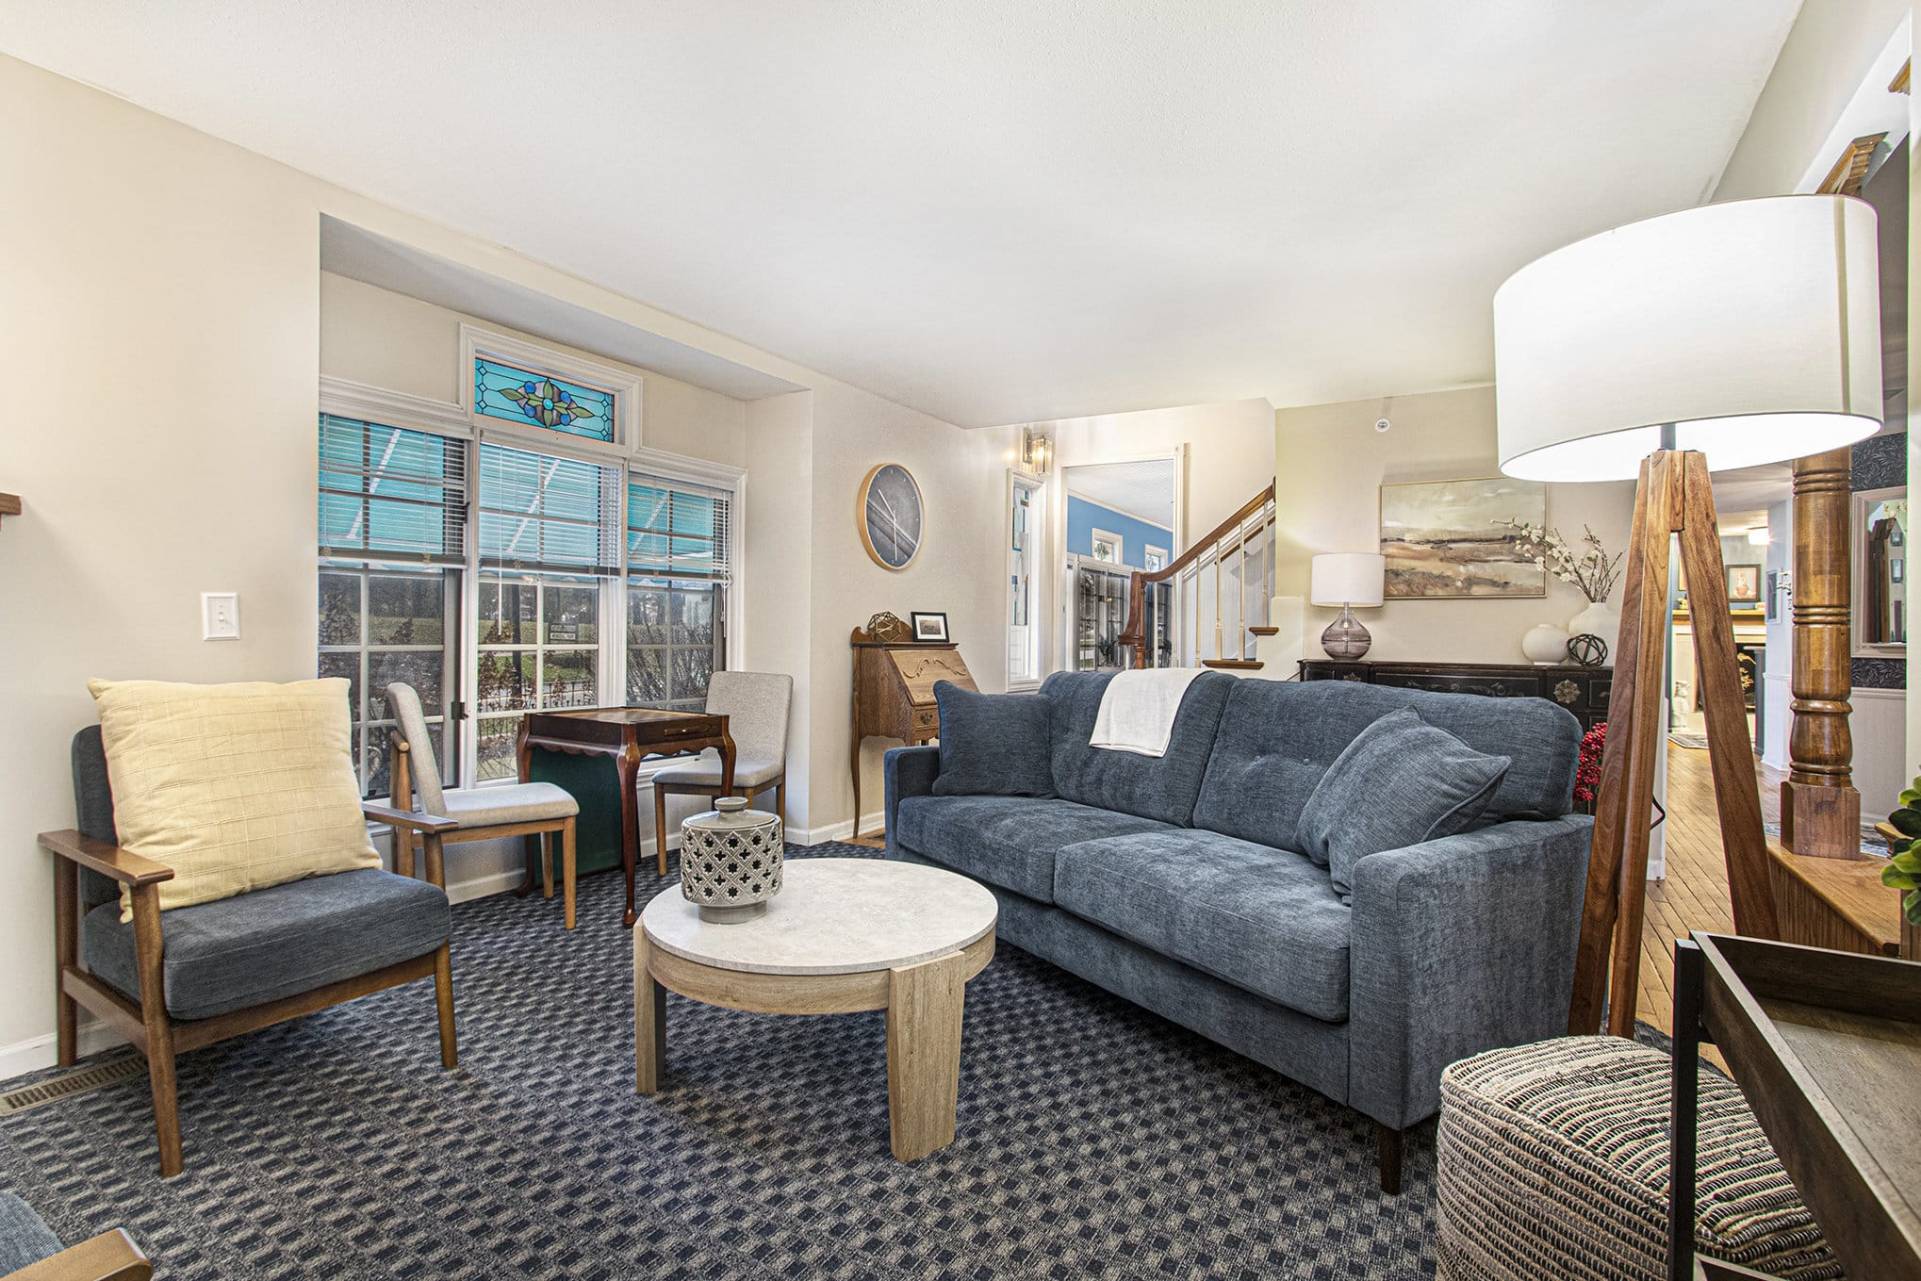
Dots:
pixel 1162 788
pixel 1400 782
pixel 1009 841
pixel 1266 920
pixel 24 1239
pixel 993 744
pixel 756 706
pixel 261 946
pixel 704 771
pixel 424 766
pixel 513 803
pixel 1278 737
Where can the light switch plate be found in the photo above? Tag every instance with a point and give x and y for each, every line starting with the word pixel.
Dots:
pixel 219 616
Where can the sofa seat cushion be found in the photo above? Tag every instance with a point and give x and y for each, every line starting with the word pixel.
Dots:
pixel 1009 841
pixel 1266 920
pixel 253 948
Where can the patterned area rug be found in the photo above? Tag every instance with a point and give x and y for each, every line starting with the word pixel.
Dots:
pixel 1096 1140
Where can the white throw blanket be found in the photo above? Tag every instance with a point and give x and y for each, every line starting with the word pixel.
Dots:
pixel 1138 708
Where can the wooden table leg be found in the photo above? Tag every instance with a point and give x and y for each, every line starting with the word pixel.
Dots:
pixel 627 770
pixel 650 1020
pixel 924 1009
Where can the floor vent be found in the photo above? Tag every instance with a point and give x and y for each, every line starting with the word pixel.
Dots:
pixel 68 1084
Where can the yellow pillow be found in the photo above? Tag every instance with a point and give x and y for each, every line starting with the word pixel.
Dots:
pixel 235 787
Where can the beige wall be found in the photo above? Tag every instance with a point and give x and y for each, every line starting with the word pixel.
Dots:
pixel 1330 465
pixel 163 288
pixel 373 335
pixel 1830 47
pixel 957 572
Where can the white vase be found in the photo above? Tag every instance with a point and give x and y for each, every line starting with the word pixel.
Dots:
pixel 1545 645
pixel 1598 619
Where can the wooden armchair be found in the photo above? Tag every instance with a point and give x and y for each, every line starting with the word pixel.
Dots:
pixel 31 1252
pixel 316 951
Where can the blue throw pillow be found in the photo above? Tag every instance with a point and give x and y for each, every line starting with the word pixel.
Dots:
pixel 1399 783
pixel 993 744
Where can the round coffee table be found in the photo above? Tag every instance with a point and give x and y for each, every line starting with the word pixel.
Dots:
pixel 843 935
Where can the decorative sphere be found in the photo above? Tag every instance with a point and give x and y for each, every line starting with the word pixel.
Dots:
pixel 1587 649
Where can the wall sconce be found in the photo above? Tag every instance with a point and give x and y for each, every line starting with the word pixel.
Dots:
pixel 1037 451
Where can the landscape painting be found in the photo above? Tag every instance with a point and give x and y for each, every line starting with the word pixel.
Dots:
pixel 1448 539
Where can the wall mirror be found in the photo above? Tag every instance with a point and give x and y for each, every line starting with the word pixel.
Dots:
pixel 1881 572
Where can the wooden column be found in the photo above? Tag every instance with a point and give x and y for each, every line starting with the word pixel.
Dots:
pixel 1820 808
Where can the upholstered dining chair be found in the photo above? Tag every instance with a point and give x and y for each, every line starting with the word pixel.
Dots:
pixel 541 810
pixel 232 965
pixel 755 705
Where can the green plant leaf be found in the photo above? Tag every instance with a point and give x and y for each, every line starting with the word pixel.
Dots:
pixel 1908 860
pixel 1911 795
pixel 1906 821
pixel 1911 907
pixel 1899 879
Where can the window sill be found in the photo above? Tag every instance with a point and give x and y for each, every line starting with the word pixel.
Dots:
pixel 1023 687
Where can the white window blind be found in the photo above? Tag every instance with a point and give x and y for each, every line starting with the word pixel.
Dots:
pixel 387 493
pixel 679 531
pixel 542 514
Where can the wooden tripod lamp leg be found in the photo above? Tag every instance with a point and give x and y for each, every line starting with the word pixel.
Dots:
pixel 1673 495
pixel 1617 858
pixel 1737 797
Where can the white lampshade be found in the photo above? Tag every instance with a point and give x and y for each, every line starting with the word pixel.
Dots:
pixel 1347 578
pixel 1752 326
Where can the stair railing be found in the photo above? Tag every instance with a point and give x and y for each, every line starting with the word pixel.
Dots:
pixel 1248 535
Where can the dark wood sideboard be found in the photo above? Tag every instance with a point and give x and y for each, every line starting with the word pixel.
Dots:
pixel 1582 690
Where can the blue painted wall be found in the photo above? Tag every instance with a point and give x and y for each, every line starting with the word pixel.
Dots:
pixel 1084 517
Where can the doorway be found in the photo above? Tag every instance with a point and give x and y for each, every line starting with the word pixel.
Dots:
pixel 1119 517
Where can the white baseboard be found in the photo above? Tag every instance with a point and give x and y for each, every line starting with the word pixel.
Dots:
pixel 37 1052
pixel 871 825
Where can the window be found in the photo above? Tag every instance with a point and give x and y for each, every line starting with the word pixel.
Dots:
pixel 518 550
pixel 679 567
pixel 1023 559
pixel 547 546
pixel 1107 547
pixel 1153 558
pixel 524 397
pixel 392 533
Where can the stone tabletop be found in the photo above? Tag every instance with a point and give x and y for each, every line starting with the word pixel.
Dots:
pixel 833 916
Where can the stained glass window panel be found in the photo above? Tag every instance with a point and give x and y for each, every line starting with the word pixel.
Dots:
pixel 533 399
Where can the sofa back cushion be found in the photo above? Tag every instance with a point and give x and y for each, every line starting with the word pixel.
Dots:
pixel 1277 738
pixel 1163 788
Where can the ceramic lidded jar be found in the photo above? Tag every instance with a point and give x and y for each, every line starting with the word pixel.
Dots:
pixel 730 861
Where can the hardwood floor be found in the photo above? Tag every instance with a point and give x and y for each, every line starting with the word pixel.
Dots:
pixel 1695 894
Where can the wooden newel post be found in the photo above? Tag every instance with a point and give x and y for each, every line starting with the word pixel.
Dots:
pixel 1820 808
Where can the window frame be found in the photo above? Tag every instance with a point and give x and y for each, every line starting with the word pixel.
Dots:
pixel 362 401
pixel 1036 560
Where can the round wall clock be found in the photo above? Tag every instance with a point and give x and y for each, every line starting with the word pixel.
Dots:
pixel 890 516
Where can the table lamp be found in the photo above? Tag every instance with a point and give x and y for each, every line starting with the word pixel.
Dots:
pixel 1346 579
pixel 1724 336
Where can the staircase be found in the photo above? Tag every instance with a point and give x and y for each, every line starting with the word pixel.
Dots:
pixel 1209 607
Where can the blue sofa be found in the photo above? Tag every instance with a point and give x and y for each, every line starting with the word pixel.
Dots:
pixel 1171 882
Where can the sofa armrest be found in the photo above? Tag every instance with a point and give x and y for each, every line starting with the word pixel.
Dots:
pixel 909 771
pixel 1459 945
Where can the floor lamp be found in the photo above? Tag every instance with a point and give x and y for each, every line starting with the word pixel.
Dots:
pixel 1725 336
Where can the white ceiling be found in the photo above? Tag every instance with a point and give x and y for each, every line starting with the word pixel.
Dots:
pixel 1000 210
pixel 1144 490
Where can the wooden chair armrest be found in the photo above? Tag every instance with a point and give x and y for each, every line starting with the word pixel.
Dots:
pixel 408 818
pixel 111 1256
pixel 109 860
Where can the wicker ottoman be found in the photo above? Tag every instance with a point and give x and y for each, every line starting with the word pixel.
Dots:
pixel 1553 1162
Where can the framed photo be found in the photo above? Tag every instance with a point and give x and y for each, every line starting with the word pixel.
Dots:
pixel 1744 585
pixel 1449 539
pixel 1106 546
pixel 929 627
